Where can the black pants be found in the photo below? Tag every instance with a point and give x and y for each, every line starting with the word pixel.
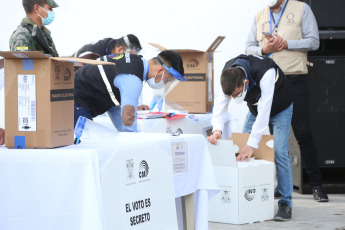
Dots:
pixel 301 128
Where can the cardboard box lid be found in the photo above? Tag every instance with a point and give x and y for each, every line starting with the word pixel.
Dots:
pixel 265 150
pixel 212 48
pixel 82 60
pixel 22 54
pixel 215 44
pixel 39 55
pixel 223 153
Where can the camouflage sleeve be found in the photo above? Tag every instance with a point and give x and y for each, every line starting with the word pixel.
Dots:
pixel 21 38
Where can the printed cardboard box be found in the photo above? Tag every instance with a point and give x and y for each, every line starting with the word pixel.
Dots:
pixel 39 109
pixel 195 95
pixel 246 188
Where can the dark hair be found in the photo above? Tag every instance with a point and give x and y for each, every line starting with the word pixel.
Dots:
pixel 173 59
pixel 120 42
pixel 29 4
pixel 133 40
pixel 231 79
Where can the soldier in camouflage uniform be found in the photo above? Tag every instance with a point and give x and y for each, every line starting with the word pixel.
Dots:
pixel 38 12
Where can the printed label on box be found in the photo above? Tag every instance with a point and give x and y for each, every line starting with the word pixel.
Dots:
pixel 195 76
pixel 225 194
pixel 20 55
pixel 27 102
pixel 179 153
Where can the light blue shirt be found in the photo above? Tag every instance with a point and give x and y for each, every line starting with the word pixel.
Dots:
pixel 130 87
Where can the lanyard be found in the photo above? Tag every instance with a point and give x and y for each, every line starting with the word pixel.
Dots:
pixel 278 19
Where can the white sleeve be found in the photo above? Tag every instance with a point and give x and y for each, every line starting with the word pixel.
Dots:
pixel 267 85
pixel 220 109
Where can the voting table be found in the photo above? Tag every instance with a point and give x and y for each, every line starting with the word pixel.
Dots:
pixel 74 187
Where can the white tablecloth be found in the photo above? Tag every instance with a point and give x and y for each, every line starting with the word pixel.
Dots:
pixel 203 120
pixel 60 188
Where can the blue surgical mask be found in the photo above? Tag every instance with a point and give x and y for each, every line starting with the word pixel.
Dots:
pixel 152 82
pixel 48 20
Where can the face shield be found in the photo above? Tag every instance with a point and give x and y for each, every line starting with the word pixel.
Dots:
pixel 170 80
pixel 132 49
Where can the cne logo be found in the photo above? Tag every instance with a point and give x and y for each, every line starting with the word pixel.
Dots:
pixel 192 64
pixel 250 194
pixel 143 169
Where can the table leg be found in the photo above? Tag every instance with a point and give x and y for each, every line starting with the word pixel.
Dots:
pixel 188 212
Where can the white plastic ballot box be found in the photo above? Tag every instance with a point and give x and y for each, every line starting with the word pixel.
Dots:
pixel 247 188
pixel 137 189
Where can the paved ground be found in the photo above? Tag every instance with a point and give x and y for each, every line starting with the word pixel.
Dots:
pixel 306 214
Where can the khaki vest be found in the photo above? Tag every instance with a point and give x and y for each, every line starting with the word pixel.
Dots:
pixel 289 28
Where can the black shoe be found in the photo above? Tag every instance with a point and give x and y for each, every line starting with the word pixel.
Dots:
pixel 284 213
pixel 320 194
pixel 277 195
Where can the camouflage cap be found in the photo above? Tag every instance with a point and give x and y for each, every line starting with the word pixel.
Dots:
pixel 52 3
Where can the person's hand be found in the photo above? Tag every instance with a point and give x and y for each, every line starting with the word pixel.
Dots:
pixel 246 152
pixel 143 107
pixel 2 136
pixel 214 136
pixel 274 44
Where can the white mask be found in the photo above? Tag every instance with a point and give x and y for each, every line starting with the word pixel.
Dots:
pixel 270 3
pixel 239 99
pixel 152 82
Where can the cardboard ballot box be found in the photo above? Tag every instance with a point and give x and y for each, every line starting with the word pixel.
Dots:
pixel 195 95
pixel 39 99
pixel 247 188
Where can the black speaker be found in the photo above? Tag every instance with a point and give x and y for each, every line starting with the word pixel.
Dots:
pixel 326 89
pixel 326 85
pixel 329 14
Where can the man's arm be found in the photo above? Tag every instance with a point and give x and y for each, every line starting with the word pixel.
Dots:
pixel 309 42
pixel 252 45
pixel 267 85
pixel 21 38
pixel 2 136
pixel 219 115
pixel 310 32
pixel 272 44
pixel 130 87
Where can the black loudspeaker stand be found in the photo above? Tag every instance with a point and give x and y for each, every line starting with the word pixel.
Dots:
pixel 326 88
